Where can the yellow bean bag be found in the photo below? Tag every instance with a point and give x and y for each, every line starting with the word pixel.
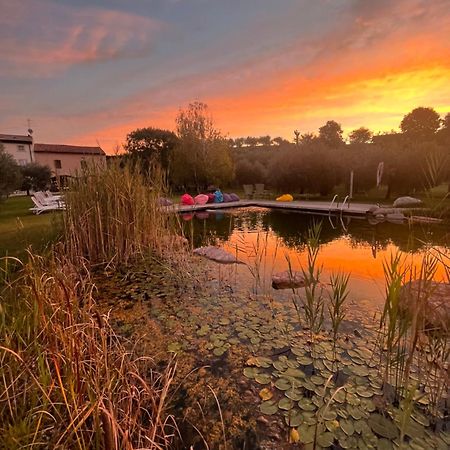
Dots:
pixel 285 198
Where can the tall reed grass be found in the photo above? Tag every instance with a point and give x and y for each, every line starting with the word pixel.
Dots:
pixel 113 215
pixel 67 381
pixel 409 344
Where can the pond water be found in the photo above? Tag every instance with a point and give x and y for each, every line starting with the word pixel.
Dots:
pixel 268 238
pixel 249 372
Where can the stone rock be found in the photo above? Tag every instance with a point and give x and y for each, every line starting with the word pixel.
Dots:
pixel 395 217
pixel 165 201
pixel 433 301
pixel 217 254
pixel 288 280
pixel 404 202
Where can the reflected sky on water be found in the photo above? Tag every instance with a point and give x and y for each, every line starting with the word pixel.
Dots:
pixel 350 245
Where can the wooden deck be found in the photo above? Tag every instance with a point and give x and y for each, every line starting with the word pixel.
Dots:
pixel 307 207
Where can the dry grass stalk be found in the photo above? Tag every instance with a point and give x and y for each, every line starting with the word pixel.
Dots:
pixel 66 379
pixel 113 215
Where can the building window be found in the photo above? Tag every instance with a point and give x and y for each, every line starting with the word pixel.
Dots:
pixel 83 164
pixel 58 164
pixel 22 162
pixel 21 148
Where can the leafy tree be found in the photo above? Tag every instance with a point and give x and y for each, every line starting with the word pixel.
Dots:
pixel 443 134
pixel 250 172
pixel 202 155
pixel 151 145
pixel 331 134
pixel 361 135
pixel 264 140
pixel 251 141
pixel 420 124
pixel 279 141
pixel 10 177
pixel 239 142
pixel 308 138
pixel 35 177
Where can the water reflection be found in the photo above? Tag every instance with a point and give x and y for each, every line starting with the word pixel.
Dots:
pixel 354 246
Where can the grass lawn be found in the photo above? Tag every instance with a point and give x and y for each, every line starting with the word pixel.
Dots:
pixel 20 228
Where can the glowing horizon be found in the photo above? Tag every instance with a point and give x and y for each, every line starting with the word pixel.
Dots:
pixel 90 72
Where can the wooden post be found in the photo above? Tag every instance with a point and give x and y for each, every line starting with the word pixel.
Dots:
pixel 350 195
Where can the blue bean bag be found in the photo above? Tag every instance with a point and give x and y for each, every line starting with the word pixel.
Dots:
pixel 218 197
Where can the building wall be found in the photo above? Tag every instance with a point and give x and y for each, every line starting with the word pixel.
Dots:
pixel 69 162
pixel 19 151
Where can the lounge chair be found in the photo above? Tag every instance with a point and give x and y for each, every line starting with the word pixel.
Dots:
pixel 46 200
pixel 260 191
pixel 248 190
pixel 40 207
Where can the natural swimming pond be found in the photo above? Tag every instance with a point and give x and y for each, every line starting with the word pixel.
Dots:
pixel 256 366
pixel 350 245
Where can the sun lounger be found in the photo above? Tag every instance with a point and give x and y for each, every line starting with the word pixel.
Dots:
pixel 40 207
pixel 248 190
pixel 48 200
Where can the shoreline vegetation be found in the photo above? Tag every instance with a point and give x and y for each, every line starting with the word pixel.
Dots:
pixel 67 380
pixel 116 338
pixel 78 372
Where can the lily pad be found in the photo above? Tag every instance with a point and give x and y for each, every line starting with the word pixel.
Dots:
pixel 364 391
pixel 294 373
pixel 250 372
pixel 219 351
pixel 280 365
pixel 347 427
pixel 259 361
pixel 383 426
pixel 283 384
pixel 317 380
pixel 325 439
pixel 385 444
pixel 298 351
pixel 293 418
pixel 203 331
pixel 305 360
pixel 262 378
pixel 294 394
pixel 286 404
pixel 420 418
pixel 306 405
pixel 332 425
pixel 265 394
pixel 355 412
pixel 269 408
pixel 174 347
pixel 306 433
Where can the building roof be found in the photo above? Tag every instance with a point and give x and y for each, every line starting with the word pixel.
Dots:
pixel 11 138
pixel 72 149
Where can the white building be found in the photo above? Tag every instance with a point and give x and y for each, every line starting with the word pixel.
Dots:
pixel 21 148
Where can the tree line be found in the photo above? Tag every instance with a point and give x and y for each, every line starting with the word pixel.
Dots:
pixel 32 176
pixel 197 154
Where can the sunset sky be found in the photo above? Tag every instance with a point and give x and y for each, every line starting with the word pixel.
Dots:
pixel 90 71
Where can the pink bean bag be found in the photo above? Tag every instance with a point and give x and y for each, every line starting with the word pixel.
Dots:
pixel 187 199
pixel 201 199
